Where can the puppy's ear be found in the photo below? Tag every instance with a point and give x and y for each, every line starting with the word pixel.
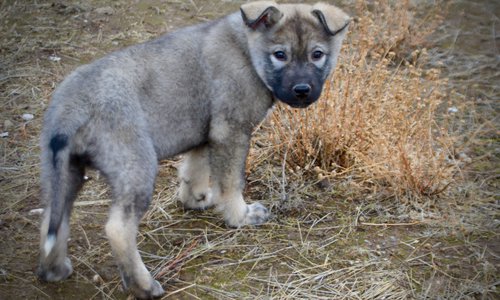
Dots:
pixel 333 19
pixel 260 15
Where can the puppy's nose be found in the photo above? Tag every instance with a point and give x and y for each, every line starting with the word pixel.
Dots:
pixel 302 89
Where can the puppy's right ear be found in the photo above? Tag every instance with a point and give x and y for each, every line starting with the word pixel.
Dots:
pixel 333 19
pixel 260 15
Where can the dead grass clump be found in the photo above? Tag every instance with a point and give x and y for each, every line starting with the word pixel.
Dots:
pixel 377 119
pixel 394 28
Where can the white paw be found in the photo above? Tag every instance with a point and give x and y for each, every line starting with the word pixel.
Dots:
pixel 254 214
pixel 191 199
pixel 154 291
pixel 55 272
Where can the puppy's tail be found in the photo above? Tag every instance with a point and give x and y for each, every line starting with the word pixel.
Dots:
pixel 58 146
pixel 63 177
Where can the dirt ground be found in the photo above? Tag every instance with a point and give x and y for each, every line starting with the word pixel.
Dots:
pixel 324 243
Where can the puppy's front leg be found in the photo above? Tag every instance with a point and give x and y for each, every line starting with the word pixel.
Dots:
pixel 194 175
pixel 227 158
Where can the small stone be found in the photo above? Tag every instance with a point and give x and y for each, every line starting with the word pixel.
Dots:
pixel 27 117
pixel 107 10
pixel 36 212
pixel 97 279
pixel 452 110
pixel 54 57
pixel 4 134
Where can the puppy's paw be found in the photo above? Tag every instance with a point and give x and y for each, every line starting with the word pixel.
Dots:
pixel 55 273
pixel 198 200
pixel 255 214
pixel 155 291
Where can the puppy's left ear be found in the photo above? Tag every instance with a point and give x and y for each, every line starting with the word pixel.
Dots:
pixel 261 14
pixel 333 19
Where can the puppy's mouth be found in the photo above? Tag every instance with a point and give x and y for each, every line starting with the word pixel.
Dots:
pixel 299 104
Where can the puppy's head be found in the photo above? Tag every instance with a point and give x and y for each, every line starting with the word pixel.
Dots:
pixel 294 47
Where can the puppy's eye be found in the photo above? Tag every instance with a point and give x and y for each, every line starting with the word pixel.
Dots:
pixel 317 55
pixel 280 55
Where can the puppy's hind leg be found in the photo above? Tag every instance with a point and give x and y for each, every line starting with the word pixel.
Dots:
pixel 194 174
pixel 121 229
pixel 130 170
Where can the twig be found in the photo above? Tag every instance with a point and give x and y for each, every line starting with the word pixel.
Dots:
pixel 179 259
pixel 180 290
pixel 391 224
pixel 90 203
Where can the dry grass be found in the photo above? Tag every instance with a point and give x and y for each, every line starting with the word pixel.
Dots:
pixel 358 183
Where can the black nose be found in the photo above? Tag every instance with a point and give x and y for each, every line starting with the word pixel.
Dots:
pixel 302 89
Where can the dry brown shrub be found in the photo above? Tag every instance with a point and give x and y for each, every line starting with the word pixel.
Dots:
pixel 377 119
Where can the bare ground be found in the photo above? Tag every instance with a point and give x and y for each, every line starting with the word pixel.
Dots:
pixel 325 241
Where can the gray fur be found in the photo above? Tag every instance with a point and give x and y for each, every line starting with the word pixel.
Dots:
pixel 199 91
